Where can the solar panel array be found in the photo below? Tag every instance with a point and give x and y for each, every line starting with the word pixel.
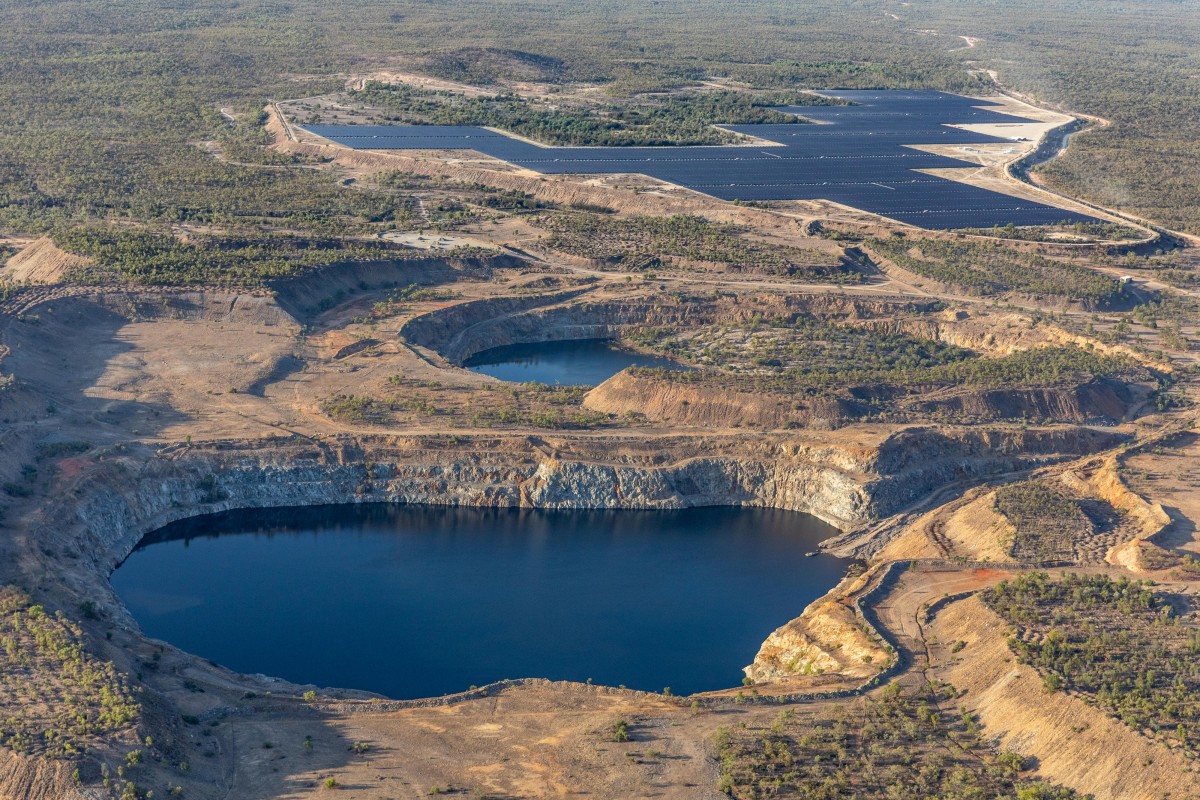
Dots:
pixel 862 155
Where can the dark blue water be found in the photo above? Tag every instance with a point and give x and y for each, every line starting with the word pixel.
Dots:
pixel 572 362
pixel 413 601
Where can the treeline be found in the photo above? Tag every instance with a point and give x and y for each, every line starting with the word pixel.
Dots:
pixel 109 127
pixel 686 119
pixel 1134 64
pixel 646 242
pixel 1041 368
pixel 146 257
pixel 1061 232
pixel 991 268
pixel 107 106
pixel 1116 643
pixel 896 70
pixel 632 61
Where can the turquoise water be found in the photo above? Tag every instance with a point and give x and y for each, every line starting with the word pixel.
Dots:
pixel 413 601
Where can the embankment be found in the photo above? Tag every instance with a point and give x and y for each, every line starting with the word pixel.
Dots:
pixel 1072 742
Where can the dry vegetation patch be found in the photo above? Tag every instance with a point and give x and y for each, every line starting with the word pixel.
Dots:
pixel 489 406
pixel 1120 645
pixel 55 697
pixel 990 268
pixel 891 376
pixel 892 745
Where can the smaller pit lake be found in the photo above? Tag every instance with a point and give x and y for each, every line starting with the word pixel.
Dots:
pixel 573 362
pixel 416 601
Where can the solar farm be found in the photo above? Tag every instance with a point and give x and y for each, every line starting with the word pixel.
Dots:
pixel 865 156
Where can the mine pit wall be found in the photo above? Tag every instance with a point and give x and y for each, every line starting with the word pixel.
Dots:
pixel 101 515
pixel 303 295
pixel 455 333
pixel 108 509
pixel 115 507
pixel 461 331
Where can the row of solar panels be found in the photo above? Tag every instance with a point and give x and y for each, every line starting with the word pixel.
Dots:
pixel 863 157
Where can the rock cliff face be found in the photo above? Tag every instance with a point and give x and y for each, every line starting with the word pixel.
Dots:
pixel 116 502
pixel 1099 399
pixel 115 506
pixel 826 638
pixel 124 492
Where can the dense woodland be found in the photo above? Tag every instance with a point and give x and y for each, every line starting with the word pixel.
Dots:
pixel 1117 643
pixel 142 257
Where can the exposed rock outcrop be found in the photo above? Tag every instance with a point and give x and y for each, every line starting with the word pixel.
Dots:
pixel 116 501
pixel 1100 399
pixel 827 637
pixel 1140 553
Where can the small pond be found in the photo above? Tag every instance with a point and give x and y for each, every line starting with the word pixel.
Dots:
pixel 572 362
pixel 413 601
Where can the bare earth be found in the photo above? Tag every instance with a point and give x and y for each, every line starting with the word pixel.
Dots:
pixel 163 386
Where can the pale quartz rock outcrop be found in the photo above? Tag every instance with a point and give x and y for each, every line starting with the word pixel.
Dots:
pixel 827 637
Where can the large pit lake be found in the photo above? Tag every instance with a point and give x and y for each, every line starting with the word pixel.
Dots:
pixel 415 601
pixel 573 362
